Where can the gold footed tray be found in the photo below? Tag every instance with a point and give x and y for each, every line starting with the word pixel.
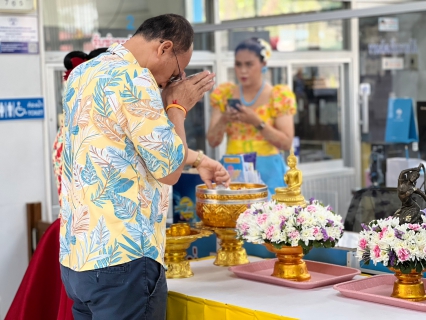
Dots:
pixel 409 286
pixel 231 251
pixel 178 239
pixel 289 265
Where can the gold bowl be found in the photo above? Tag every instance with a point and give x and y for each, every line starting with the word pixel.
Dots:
pixel 409 286
pixel 221 208
pixel 178 240
pixel 289 265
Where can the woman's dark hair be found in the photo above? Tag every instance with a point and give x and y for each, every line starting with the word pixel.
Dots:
pixel 96 52
pixel 75 58
pixel 252 45
pixel 73 54
pixel 171 27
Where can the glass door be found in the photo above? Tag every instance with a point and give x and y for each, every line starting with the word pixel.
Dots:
pixel 54 89
pixel 196 122
pixel 318 92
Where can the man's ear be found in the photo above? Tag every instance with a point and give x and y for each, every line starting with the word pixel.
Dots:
pixel 164 47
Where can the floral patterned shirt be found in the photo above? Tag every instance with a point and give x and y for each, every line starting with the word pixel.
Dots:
pixel 243 137
pixel 118 141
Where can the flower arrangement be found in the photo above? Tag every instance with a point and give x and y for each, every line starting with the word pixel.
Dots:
pixel 401 247
pixel 315 225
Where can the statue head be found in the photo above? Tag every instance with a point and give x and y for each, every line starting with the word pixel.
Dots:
pixel 414 176
pixel 292 160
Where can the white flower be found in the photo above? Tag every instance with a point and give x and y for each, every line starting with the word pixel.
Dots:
pixel 276 223
pixel 407 242
pixel 266 51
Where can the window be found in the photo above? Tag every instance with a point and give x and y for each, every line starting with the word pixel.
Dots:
pixel 238 9
pixel 86 24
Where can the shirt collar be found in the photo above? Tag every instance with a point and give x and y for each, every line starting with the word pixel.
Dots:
pixel 122 52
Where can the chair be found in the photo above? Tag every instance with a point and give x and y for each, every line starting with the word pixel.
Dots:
pixel 373 203
pixel 35 226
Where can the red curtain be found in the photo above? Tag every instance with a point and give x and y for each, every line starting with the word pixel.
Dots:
pixel 41 295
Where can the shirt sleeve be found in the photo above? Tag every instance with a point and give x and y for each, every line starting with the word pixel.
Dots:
pixel 283 101
pixel 149 129
pixel 219 97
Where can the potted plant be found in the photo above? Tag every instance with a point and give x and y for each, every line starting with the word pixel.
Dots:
pixel 290 232
pixel 401 248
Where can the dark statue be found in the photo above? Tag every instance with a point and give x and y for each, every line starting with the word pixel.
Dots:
pixel 410 210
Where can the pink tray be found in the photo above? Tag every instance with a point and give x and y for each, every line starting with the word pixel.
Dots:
pixel 322 274
pixel 377 289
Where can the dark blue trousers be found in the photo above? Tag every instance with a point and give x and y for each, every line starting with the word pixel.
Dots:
pixel 131 291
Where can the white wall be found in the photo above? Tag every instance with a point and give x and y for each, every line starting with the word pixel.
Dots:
pixel 22 177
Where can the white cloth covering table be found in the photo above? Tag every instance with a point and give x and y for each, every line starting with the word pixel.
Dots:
pixel 221 285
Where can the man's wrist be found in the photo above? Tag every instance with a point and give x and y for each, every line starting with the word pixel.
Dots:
pixel 176 112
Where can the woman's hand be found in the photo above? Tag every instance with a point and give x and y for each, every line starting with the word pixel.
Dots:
pixel 229 116
pixel 247 115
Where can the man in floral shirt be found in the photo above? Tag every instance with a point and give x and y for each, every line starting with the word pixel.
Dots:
pixel 124 143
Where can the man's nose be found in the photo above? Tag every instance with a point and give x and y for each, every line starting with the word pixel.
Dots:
pixel 163 85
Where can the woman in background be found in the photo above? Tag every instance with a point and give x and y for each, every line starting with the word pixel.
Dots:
pixel 263 122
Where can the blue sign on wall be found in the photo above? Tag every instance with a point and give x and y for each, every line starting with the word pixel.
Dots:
pixel 18 47
pixel 16 109
pixel 400 123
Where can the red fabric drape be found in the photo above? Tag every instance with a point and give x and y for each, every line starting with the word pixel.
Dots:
pixel 41 295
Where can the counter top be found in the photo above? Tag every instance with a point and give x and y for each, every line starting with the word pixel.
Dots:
pixel 221 285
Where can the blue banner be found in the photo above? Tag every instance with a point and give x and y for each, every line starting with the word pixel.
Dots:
pixel 18 47
pixel 16 109
pixel 400 123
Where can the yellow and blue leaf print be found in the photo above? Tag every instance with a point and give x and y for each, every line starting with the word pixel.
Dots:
pixel 88 175
pixel 118 144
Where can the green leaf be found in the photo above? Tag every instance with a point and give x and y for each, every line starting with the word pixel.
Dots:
pixel 317 244
pixel 405 269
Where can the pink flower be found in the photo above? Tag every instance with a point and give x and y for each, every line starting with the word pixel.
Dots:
pixel 247 213
pixel 270 232
pixel 414 227
pixel 363 244
pixel 376 251
pixel 262 218
pixel 382 232
pixel 403 255
pixel 300 220
pixel 311 208
pixel 244 227
pixel 294 235
pixel 316 231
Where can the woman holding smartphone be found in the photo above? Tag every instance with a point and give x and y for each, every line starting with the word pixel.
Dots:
pixel 256 116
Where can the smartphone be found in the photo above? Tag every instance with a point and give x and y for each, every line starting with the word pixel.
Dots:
pixel 233 103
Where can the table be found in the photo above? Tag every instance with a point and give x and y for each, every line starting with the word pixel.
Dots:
pixel 216 293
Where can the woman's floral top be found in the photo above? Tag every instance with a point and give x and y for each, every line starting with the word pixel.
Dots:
pixel 58 146
pixel 243 137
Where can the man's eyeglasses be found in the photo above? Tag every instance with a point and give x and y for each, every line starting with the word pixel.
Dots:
pixel 179 77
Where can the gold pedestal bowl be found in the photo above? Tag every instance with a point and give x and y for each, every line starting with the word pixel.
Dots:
pixel 289 265
pixel 409 286
pixel 219 210
pixel 178 239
